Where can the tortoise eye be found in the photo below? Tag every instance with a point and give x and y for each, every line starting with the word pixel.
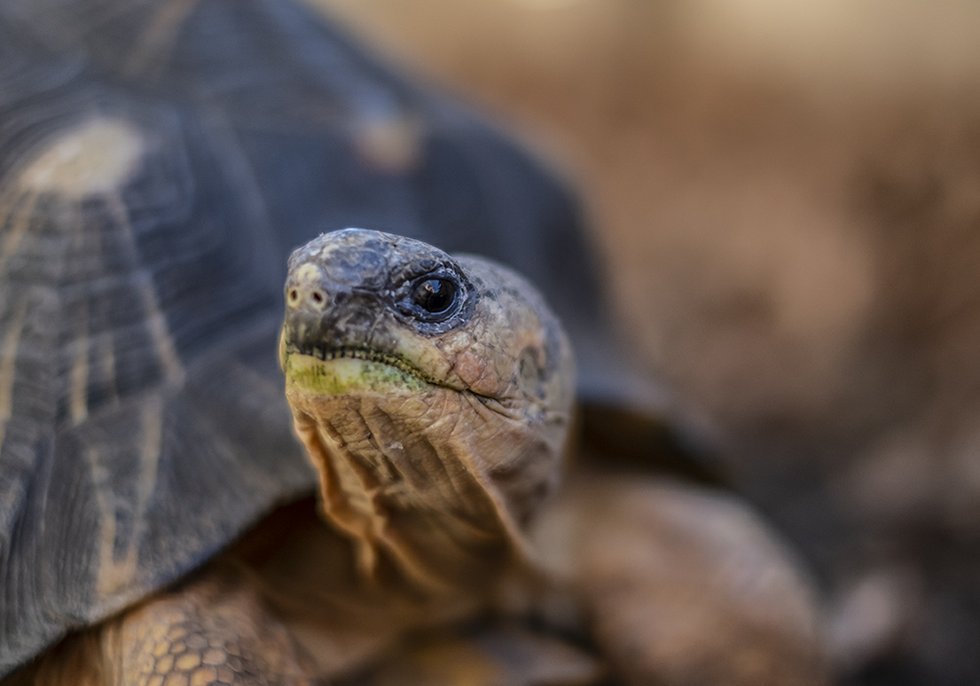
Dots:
pixel 435 295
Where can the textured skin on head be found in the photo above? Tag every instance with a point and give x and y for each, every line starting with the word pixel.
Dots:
pixel 438 464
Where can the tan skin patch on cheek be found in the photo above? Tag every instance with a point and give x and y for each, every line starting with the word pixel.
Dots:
pixel 474 372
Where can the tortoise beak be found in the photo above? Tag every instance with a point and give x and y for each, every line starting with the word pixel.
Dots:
pixel 307 307
pixel 325 313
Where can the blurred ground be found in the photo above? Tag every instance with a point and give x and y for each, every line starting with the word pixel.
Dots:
pixel 790 197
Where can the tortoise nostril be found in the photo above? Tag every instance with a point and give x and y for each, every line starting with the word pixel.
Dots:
pixel 297 296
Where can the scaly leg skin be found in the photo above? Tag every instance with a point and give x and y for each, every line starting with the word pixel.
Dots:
pixel 684 586
pixel 216 630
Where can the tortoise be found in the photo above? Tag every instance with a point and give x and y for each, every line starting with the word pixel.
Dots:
pixel 158 162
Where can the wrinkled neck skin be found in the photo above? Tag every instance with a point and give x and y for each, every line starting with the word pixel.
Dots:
pixel 434 487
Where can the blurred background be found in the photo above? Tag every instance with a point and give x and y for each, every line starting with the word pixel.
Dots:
pixel 788 198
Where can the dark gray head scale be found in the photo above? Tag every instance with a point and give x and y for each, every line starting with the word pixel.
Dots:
pixel 346 291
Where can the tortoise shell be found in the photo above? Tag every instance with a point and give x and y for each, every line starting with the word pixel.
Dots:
pixel 158 161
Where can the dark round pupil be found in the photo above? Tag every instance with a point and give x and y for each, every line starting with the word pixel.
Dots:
pixel 434 295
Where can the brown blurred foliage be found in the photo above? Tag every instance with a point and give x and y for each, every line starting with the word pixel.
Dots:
pixel 788 195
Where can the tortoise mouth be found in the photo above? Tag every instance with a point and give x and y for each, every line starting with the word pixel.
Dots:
pixel 350 352
pixel 341 370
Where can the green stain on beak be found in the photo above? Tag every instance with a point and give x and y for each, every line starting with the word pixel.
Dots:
pixel 341 376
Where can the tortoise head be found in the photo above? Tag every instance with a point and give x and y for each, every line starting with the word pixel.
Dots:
pixel 432 393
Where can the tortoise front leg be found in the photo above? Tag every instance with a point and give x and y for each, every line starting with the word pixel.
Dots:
pixel 213 631
pixel 684 586
pixel 216 630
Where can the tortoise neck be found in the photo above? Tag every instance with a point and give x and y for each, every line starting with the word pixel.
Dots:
pixel 451 537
